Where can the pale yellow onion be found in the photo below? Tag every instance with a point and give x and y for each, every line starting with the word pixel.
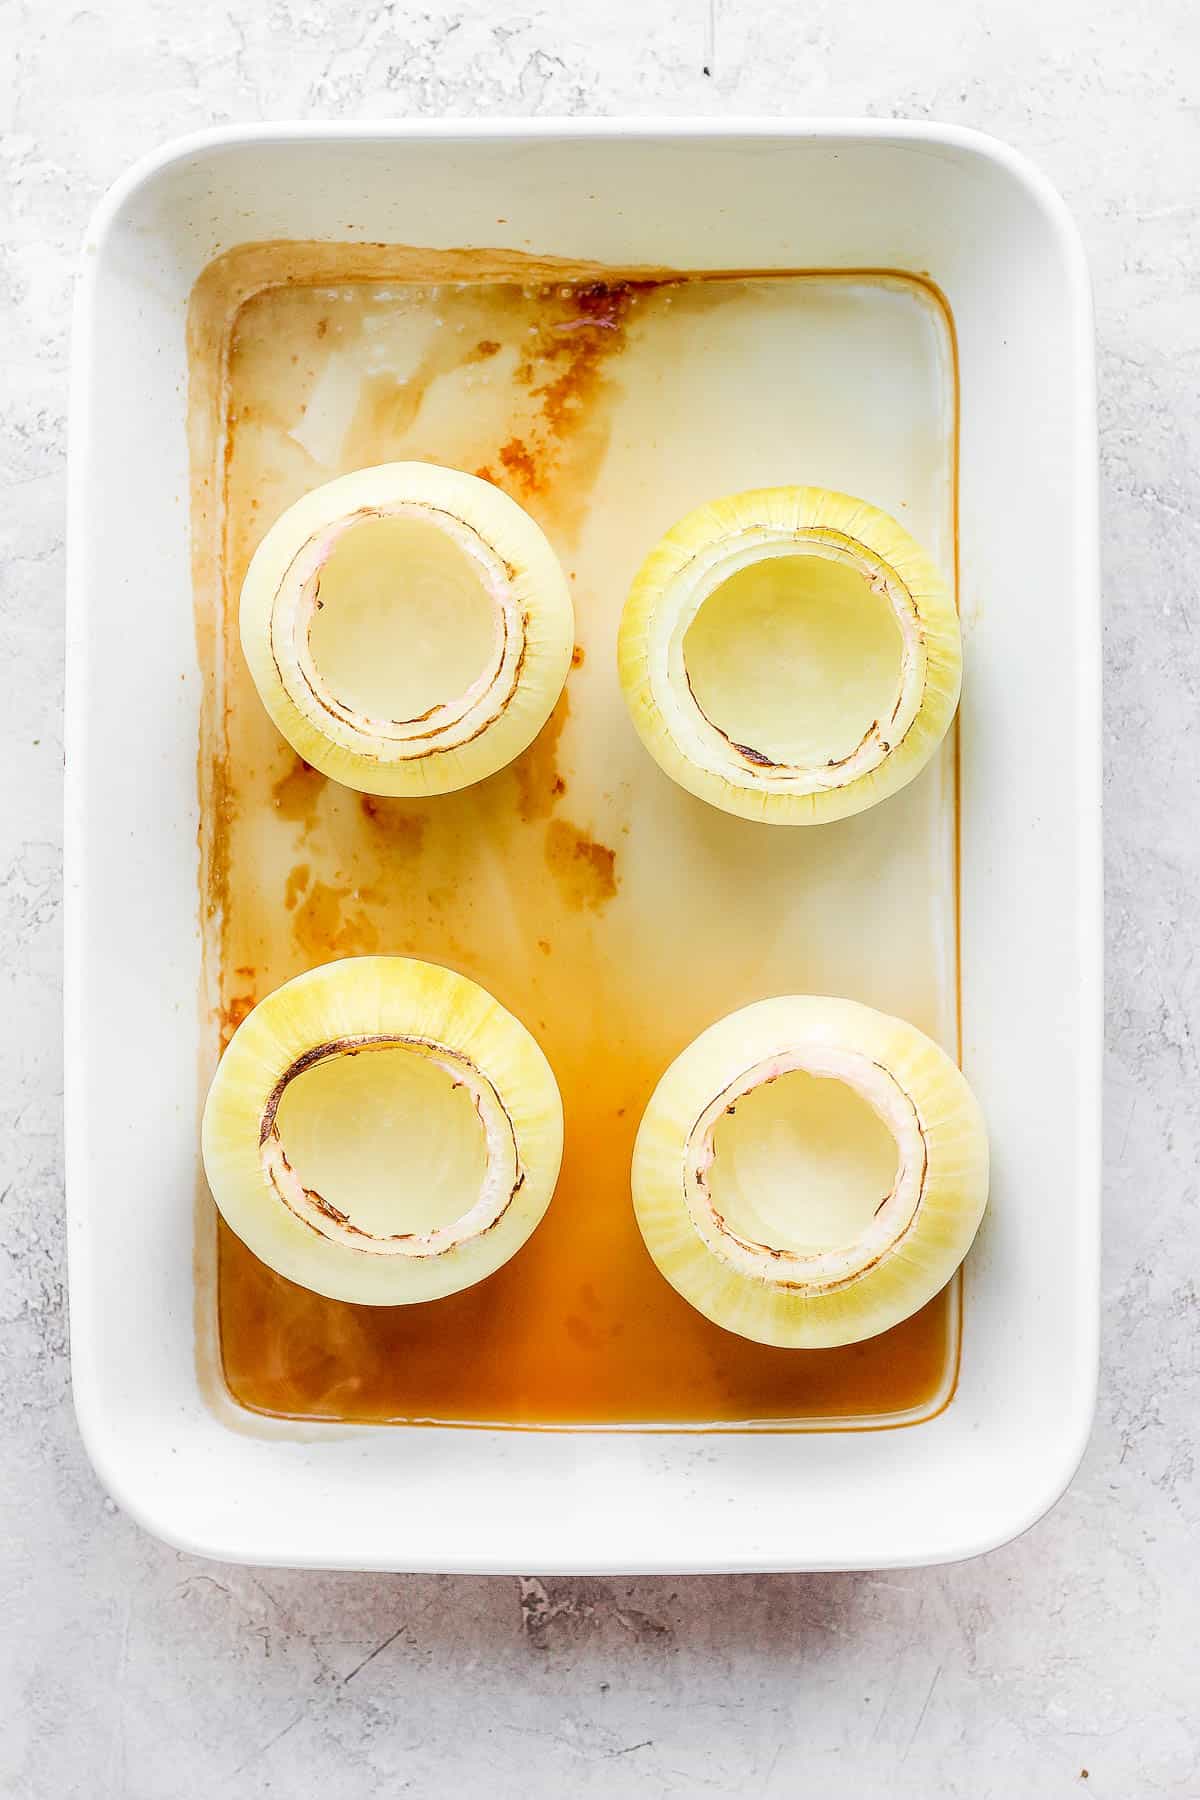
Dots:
pixel 408 627
pixel 382 1130
pixel 810 1172
pixel 790 655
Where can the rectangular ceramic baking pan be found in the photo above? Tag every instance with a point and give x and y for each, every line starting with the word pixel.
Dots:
pixel 939 202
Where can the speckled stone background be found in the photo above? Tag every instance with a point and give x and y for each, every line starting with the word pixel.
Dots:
pixel 1068 1663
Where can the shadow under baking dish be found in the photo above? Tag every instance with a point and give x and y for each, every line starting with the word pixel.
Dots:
pixel 613 913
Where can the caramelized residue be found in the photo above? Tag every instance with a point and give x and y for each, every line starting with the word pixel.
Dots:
pixel 563 364
pixel 516 373
pixel 297 881
pixel 295 794
pixel 519 462
pixel 215 858
pixel 395 819
pixel 584 870
pixel 565 367
pixel 536 771
pixel 233 1012
pixel 324 926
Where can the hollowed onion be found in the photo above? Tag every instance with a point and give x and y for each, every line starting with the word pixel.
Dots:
pixel 382 1130
pixel 790 655
pixel 810 1172
pixel 408 628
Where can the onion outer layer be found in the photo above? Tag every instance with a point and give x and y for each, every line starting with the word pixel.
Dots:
pixel 348 1008
pixel 687 567
pixel 919 1235
pixel 468 736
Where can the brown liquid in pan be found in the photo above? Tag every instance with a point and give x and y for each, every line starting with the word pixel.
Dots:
pixel 612 913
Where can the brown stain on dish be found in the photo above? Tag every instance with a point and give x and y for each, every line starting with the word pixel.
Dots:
pixel 519 462
pixel 324 926
pixel 214 865
pixel 233 1012
pixel 551 347
pixel 536 772
pixel 296 794
pixel 268 263
pixel 297 881
pixel 395 821
pixel 584 870
pixel 577 657
pixel 565 365
pixel 553 338
pixel 578 331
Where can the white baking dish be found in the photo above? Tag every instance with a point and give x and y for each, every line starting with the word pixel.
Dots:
pixel 930 199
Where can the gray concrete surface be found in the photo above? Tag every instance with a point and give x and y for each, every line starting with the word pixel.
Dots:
pixel 1065 1664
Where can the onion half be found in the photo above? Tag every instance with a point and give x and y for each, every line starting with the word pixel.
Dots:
pixel 810 1172
pixel 408 628
pixel 790 655
pixel 382 1130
